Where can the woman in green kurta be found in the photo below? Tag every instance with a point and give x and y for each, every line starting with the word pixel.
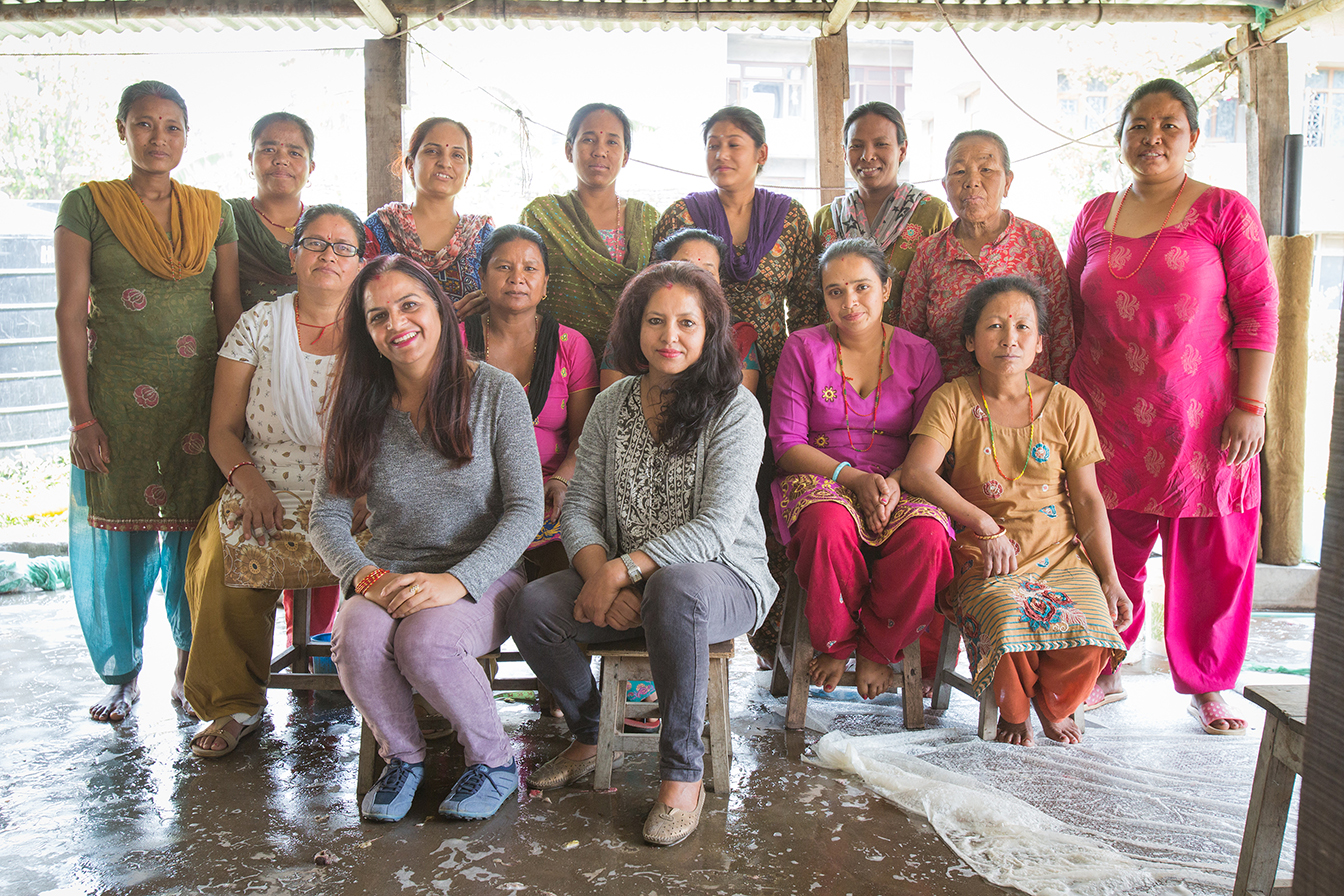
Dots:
pixel 147 288
pixel 597 240
pixel 281 159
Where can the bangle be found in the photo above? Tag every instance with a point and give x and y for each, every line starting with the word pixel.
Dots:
pixel 1002 531
pixel 835 476
pixel 560 479
pixel 246 463
pixel 85 425
pixel 1247 405
pixel 364 584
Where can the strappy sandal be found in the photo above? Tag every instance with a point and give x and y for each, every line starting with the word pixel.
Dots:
pixel 218 728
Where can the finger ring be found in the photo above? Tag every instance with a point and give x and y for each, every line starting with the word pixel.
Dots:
pixel 414 591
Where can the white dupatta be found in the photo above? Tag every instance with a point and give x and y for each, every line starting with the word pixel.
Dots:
pixel 293 397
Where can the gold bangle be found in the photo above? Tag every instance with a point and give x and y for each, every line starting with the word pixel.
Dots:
pixel 560 479
pixel 1002 531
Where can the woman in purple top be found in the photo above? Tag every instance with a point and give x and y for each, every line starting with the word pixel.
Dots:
pixel 847 394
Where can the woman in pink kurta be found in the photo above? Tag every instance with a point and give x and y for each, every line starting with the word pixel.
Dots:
pixel 1177 324
pixel 986 240
pixel 845 399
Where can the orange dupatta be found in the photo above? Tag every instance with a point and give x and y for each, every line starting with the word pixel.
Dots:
pixel 193 213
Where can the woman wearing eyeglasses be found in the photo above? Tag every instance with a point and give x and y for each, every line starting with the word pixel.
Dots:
pixel 266 436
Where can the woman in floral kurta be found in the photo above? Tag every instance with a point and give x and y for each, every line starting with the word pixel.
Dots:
pixel 147 285
pixel 1177 325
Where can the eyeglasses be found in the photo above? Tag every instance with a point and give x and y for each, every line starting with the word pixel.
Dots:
pixel 313 244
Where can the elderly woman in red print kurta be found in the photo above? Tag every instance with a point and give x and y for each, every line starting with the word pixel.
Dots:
pixel 1176 310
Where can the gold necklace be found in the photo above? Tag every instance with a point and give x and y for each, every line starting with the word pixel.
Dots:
pixel 536 333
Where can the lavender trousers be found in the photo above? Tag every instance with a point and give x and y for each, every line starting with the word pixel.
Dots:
pixel 380 659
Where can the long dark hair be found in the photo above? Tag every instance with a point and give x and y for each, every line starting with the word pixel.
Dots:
pixel 703 390
pixel 365 386
pixel 548 328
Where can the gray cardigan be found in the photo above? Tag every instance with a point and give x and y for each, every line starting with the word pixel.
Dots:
pixel 726 526
pixel 427 515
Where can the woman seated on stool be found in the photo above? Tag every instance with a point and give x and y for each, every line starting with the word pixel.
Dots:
pixel 553 362
pixel 444 449
pixel 846 396
pixel 704 250
pixel 270 383
pixel 664 531
pixel 1039 617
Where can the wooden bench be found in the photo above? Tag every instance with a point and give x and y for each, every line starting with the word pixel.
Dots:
pixel 1276 770
pixel 628 660
pixel 947 677
pixel 793 653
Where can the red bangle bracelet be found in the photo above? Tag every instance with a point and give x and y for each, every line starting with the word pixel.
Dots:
pixel 246 463
pixel 85 425
pixel 364 584
pixel 1243 404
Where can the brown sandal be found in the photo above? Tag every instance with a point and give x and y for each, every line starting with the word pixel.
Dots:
pixel 218 728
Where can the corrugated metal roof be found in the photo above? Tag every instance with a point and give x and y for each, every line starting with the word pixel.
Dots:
pixel 38 17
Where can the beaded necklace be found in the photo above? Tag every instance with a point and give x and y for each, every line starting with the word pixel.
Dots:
pixel 320 328
pixel 1031 432
pixel 877 401
pixel 253 202
pixel 1110 242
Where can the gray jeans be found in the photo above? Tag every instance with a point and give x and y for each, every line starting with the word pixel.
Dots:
pixel 686 607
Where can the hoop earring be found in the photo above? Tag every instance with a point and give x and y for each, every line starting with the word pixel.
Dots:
pixel 1190 156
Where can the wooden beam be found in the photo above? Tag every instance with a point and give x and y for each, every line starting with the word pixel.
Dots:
pixel 1278 26
pixel 830 68
pixel 384 98
pixel 839 15
pixel 1264 92
pixel 379 15
pixel 667 14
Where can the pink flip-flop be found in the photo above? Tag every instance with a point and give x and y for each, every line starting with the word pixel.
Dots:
pixel 1099 698
pixel 1208 713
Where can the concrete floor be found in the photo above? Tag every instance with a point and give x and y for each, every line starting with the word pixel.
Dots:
pixel 123 809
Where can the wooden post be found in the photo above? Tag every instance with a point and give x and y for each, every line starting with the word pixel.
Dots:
pixel 1264 91
pixel 830 65
pixel 384 97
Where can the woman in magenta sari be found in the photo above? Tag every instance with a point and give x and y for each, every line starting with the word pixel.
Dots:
pixel 1176 310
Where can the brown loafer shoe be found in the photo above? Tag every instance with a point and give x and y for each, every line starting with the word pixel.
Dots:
pixel 667 826
pixel 561 772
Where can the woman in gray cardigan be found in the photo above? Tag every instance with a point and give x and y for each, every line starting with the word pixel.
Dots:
pixel 444 450
pixel 663 529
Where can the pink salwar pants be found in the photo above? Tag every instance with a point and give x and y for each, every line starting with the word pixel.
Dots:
pixel 1208 565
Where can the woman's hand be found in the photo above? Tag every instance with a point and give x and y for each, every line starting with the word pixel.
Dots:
pixel 555 490
pixel 359 518
pixel 260 513
pixel 1122 608
pixel 89 450
pixel 877 495
pixel 471 303
pixel 415 591
pixel 999 554
pixel 599 592
pixel 1243 436
pixel 624 614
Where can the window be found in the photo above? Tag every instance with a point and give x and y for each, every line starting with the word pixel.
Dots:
pixel 1087 104
pixel 873 83
pixel 772 90
pixel 1324 123
pixel 1220 121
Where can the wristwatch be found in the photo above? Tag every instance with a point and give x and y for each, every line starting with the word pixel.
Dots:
pixel 632 569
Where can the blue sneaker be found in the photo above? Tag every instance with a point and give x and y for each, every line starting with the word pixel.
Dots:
pixel 390 798
pixel 481 791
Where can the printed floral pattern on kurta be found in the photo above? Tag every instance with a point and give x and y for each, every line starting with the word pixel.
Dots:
pixel 779 299
pixel 1157 359
pixel 930 216
pixel 943 272
pixel 150 377
pixel 457 266
pixel 1054 600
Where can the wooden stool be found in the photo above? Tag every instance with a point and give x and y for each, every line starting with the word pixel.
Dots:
pixel 625 661
pixel 296 657
pixel 1279 764
pixel 947 678
pixel 793 652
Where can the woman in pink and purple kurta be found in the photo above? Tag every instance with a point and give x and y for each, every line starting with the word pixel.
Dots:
pixel 1177 324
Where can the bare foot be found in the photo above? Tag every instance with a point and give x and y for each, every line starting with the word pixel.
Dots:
pixel 926 688
pixel 683 795
pixel 116 703
pixel 1016 733
pixel 213 743
pixel 825 670
pixel 1223 724
pixel 872 679
pixel 1065 730
pixel 178 694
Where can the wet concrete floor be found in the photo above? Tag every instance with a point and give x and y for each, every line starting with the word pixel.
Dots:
pixel 91 808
